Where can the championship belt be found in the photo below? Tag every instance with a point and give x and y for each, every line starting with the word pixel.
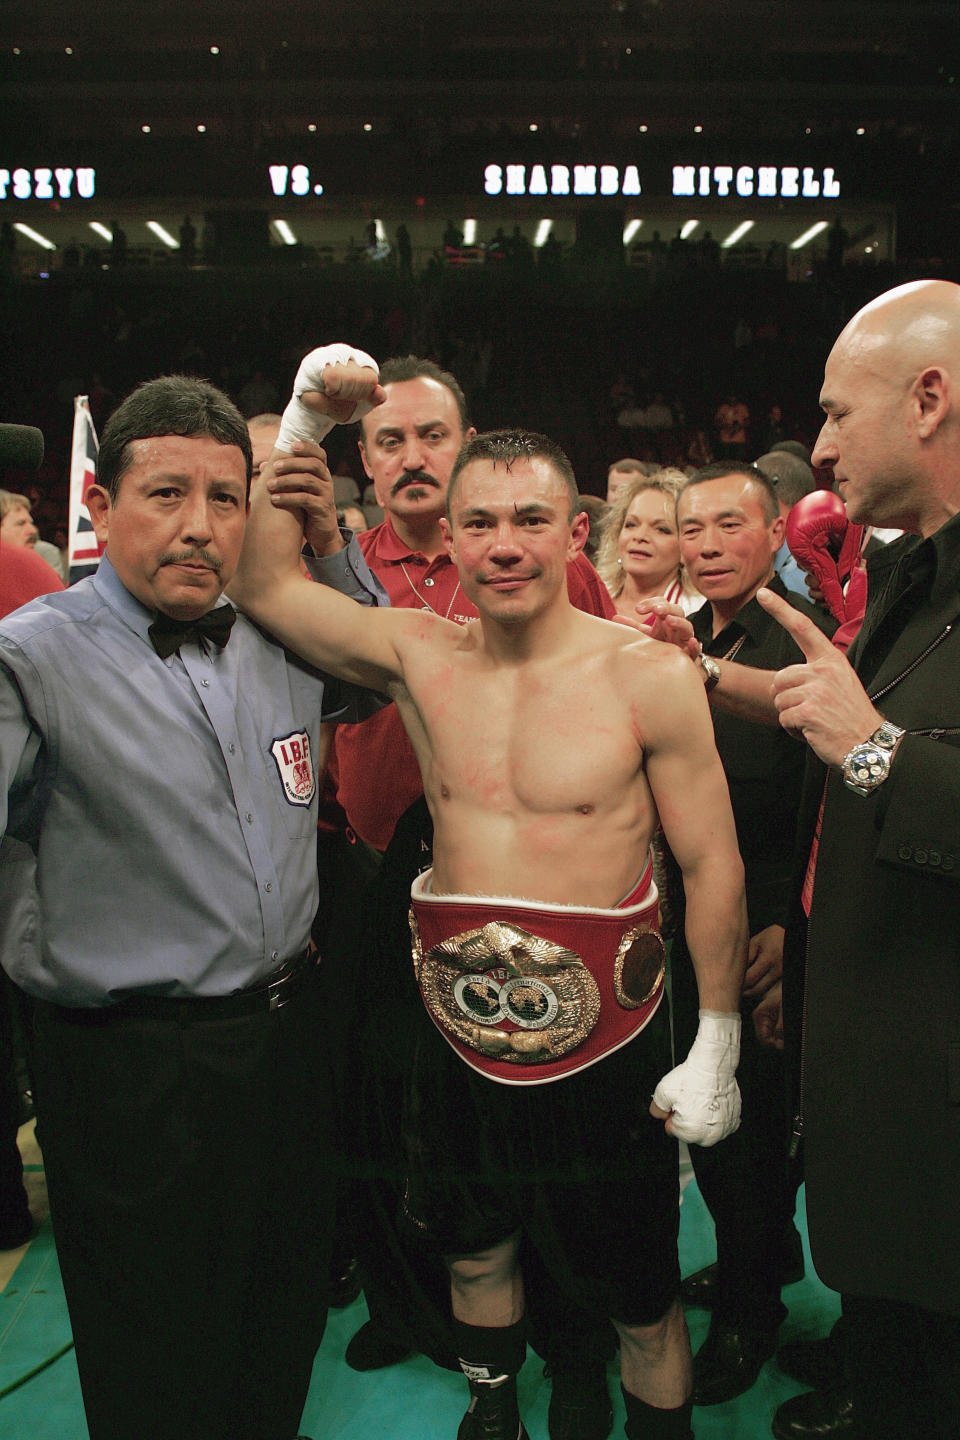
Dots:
pixel 527 993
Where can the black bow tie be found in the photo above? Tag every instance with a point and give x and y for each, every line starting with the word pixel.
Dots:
pixel 168 634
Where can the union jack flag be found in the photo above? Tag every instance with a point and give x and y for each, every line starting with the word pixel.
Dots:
pixel 84 549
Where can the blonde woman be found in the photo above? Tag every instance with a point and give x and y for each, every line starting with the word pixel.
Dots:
pixel 639 554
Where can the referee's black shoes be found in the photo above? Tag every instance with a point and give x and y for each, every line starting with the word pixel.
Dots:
pixel 729 1361
pixel 816 1415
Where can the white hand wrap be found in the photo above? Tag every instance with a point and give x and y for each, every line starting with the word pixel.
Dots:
pixel 299 422
pixel 702 1093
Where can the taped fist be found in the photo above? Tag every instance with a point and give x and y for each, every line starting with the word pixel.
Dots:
pixel 335 385
pixel 700 1099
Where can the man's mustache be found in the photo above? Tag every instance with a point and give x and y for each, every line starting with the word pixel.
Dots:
pixel 186 557
pixel 413 477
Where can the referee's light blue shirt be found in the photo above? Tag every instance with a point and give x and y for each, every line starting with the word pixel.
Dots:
pixel 172 803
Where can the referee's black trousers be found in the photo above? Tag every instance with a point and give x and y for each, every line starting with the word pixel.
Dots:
pixel 187 1163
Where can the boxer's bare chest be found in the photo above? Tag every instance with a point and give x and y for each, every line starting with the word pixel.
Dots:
pixel 536 738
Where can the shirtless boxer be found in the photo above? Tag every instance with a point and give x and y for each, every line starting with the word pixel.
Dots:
pixel 549 742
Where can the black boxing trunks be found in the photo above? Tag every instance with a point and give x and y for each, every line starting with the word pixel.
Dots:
pixel 526 993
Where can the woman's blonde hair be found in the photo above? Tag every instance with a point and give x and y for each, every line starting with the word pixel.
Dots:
pixel 667 482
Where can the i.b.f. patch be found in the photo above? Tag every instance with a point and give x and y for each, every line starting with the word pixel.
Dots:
pixel 295 765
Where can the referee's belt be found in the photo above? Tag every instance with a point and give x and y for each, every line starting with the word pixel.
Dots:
pixel 261 997
pixel 527 993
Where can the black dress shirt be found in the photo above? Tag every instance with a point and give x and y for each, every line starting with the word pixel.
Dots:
pixel 764 764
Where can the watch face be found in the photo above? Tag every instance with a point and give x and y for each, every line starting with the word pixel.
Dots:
pixel 868 766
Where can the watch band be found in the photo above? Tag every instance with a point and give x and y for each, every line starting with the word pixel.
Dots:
pixel 711 671
pixel 867 765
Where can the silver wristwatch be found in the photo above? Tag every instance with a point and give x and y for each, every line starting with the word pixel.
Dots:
pixel 711 670
pixel 868 764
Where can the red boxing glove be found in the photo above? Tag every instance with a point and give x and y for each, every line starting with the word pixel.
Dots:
pixel 823 541
pixel 854 604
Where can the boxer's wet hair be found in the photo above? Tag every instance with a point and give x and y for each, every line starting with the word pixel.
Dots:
pixel 720 469
pixel 505 447
pixel 169 405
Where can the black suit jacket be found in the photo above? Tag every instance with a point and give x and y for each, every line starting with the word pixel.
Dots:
pixel 881 1056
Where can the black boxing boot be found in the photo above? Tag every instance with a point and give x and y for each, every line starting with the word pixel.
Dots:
pixel 491 1357
pixel 647 1422
pixel 493 1413
pixel 580 1406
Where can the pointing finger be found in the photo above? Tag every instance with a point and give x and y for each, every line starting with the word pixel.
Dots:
pixel 812 641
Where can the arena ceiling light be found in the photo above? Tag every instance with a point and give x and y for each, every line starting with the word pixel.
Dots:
pixel 630 230
pixel 469 232
pixel 688 228
pixel 34 235
pixel 808 235
pixel 543 230
pixel 163 235
pixel 101 230
pixel 737 234
pixel 285 233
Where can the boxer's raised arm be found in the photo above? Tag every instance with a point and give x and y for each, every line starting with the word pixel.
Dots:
pixel 324 627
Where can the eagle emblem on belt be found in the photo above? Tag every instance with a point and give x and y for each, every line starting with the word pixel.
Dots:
pixel 507 993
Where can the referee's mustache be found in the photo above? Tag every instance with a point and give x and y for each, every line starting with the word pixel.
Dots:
pixel 187 557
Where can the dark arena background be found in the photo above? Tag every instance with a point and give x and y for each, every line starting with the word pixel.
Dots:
pixel 684 196
pixel 578 207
